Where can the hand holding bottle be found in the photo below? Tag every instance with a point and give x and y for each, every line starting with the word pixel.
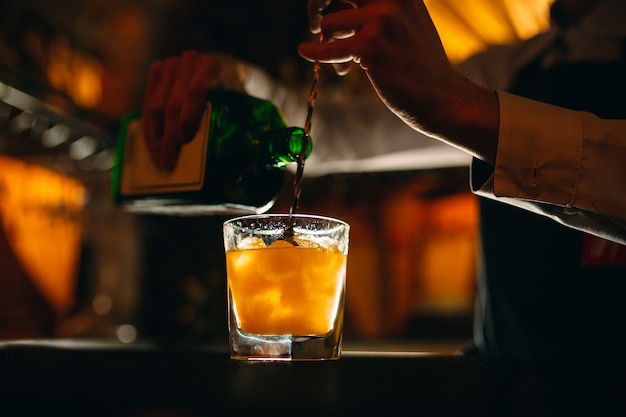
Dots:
pixel 174 101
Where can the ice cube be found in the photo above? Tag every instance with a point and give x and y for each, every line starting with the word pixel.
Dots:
pixel 281 244
pixel 251 242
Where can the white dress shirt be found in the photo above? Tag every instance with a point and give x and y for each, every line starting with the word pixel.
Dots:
pixel 566 164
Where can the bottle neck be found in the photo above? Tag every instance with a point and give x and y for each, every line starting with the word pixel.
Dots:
pixel 285 145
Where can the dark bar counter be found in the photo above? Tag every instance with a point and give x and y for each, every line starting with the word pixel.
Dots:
pixel 95 379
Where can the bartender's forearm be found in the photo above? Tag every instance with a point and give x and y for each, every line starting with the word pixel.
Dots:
pixel 467 117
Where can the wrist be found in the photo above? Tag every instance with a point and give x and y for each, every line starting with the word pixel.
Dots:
pixel 471 121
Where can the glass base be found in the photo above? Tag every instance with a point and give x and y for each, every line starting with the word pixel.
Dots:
pixel 254 347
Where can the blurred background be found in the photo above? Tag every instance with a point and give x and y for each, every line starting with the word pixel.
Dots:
pixel 72 264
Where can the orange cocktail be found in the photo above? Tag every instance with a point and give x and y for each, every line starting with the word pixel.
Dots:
pixel 286 286
pixel 286 289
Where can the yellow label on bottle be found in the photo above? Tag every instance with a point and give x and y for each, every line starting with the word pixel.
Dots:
pixel 141 177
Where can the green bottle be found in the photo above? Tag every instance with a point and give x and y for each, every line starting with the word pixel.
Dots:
pixel 234 165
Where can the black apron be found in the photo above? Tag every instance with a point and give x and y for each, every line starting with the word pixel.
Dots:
pixel 538 297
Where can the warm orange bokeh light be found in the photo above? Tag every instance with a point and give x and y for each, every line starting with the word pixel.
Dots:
pixel 76 74
pixel 40 214
pixel 467 27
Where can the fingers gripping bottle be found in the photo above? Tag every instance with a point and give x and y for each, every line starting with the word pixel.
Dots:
pixel 235 164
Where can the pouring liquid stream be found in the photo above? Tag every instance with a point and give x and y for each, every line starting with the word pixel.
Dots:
pixel 297 182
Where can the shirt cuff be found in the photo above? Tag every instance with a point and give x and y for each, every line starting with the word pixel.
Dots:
pixel 538 156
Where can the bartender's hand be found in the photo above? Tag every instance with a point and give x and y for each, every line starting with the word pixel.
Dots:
pixel 316 9
pixel 397 44
pixel 175 100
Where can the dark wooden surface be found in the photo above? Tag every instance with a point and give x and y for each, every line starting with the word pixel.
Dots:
pixel 101 380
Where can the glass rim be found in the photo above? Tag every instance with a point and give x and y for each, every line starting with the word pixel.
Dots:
pixel 286 216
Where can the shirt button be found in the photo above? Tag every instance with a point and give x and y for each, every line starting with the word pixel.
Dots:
pixel 534 186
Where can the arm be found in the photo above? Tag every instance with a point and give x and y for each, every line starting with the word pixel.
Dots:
pixel 175 100
pixel 397 45
pixel 564 164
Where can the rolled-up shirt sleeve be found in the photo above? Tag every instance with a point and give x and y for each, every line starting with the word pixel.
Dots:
pixel 566 164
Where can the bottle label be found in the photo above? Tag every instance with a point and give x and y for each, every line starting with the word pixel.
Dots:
pixel 141 177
